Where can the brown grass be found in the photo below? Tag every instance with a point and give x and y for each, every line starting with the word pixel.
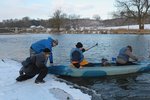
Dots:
pixel 130 31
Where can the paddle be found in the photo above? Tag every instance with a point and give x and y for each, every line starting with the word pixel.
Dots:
pixel 143 59
pixel 92 47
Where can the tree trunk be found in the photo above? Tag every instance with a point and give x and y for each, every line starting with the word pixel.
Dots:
pixel 141 23
pixel 58 29
pixel 141 26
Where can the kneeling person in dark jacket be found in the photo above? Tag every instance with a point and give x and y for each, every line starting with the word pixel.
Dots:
pixel 35 65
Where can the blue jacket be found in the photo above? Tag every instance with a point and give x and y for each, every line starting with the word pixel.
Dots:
pixel 76 55
pixel 39 46
pixel 123 55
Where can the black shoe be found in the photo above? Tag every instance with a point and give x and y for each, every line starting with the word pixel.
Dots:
pixel 19 79
pixel 39 81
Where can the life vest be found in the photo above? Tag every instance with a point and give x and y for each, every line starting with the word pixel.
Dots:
pixel 122 54
pixel 80 58
pixel 84 62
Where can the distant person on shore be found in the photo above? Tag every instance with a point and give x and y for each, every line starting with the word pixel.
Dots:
pixel 124 54
pixel 77 57
pixel 39 46
pixel 34 65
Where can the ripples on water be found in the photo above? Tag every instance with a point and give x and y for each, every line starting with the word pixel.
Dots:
pixel 124 87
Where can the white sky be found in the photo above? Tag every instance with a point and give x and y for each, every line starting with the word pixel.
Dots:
pixel 44 9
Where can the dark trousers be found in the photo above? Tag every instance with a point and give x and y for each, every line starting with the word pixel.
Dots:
pixel 41 71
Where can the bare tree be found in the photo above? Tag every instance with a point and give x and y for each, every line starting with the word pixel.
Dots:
pixel 134 9
pixel 97 17
pixel 74 21
pixel 57 19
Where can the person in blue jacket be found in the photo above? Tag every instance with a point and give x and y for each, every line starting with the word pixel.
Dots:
pixel 39 46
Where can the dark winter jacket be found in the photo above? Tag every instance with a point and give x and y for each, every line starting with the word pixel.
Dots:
pixel 33 64
pixel 41 60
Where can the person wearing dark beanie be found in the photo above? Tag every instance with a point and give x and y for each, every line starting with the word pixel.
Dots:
pixel 79 45
pixel 46 50
pixel 35 65
pixel 77 57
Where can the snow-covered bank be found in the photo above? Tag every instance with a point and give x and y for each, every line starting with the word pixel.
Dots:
pixel 146 26
pixel 28 90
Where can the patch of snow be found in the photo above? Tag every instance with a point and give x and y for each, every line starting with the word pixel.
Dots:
pixel 146 26
pixel 63 94
pixel 28 90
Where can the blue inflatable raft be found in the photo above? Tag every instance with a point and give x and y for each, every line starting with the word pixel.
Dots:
pixel 98 70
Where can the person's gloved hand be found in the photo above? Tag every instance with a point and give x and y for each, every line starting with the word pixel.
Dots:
pixel 21 72
pixel 83 50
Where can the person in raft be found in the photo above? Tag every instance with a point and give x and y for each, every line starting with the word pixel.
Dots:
pixel 124 55
pixel 35 65
pixel 39 46
pixel 77 57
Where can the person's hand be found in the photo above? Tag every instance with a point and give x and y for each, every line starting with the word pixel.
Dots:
pixel 140 58
pixel 83 50
pixel 21 72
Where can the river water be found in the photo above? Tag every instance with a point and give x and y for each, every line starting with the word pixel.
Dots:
pixel 124 87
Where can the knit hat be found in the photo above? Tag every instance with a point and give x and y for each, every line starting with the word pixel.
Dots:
pixel 79 45
pixel 46 50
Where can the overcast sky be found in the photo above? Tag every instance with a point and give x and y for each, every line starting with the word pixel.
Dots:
pixel 44 9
